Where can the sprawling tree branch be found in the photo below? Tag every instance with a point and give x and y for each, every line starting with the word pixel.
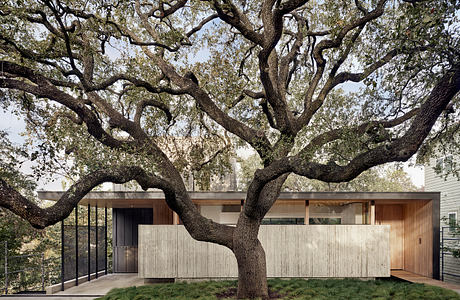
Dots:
pixel 400 149
pixel 48 91
pixel 199 227
pixel 42 217
pixel 371 127
pixel 310 106
pixel 230 14
pixel 141 105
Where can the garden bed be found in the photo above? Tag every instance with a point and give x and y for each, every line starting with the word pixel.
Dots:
pixel 288 289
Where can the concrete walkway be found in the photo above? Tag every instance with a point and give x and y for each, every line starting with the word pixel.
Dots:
pixel 87 290
pixel 104 284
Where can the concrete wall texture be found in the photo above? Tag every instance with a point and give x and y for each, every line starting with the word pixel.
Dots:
pixel 168 251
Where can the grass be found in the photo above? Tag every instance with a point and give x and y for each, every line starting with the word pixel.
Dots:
pixel 288 289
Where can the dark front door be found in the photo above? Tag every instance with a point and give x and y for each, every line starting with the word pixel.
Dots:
pixel 125 237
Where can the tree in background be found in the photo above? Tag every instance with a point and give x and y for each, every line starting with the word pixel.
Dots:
pixel 390 178
pixel 321 89
pixel 20 237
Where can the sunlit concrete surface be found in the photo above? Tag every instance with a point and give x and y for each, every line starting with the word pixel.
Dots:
pixel 104 284
pixel 87 290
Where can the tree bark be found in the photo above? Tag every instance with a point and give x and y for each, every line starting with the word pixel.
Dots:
pixel 250 257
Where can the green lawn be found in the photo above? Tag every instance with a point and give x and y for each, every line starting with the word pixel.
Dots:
pixel 288 289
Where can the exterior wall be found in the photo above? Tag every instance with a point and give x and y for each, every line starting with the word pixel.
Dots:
pixel 449 188
pixel 291 251
pixel 450 202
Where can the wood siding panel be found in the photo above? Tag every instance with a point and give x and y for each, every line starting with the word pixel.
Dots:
pixel 418 241
pixel 393 215
pixel 291 251
pixel 162 214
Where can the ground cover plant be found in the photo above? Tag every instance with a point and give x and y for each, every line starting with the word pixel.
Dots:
pixel 288 289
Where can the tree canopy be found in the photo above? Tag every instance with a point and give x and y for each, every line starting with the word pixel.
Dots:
pixel 320 89
pixel 383 178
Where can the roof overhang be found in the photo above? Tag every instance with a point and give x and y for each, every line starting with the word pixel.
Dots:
pixel 148 199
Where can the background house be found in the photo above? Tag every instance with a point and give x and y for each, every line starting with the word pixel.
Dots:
pixel 440 177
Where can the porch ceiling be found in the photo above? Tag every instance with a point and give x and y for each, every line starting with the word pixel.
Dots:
pixel 148 199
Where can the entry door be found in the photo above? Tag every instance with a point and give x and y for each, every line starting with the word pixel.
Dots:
pixel 393 215
pixel 125 237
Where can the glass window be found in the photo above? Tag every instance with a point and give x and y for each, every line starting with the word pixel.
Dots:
pixel 282 221
pixel 452 220
pixel 444 165
pixel 439 164
pixel 338 212
pixel 325 221
pixel 231 208
pixel 448 164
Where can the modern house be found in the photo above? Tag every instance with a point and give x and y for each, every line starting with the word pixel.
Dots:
pixel 439 177
pixel 306 234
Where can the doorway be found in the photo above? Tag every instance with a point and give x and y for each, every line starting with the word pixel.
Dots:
pixel 393 215
pixel 125 237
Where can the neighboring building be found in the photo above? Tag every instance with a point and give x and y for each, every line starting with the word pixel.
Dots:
pixel 439 177
pixel 227 182
pixel 308 234
pixel 184 151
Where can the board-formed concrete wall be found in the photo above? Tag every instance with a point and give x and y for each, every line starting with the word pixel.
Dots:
pixel 168 251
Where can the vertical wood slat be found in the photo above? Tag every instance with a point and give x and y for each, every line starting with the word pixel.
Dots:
pixel 162 214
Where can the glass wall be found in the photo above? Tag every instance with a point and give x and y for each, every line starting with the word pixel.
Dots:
pixel 335 213
pixel 319 213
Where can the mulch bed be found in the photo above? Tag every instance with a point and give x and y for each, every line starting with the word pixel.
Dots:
pixel 231 293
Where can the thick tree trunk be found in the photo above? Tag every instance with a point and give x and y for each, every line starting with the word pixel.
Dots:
pixel 250 256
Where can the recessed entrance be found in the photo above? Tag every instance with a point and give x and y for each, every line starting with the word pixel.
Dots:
pixel 393 215
pixel 413 235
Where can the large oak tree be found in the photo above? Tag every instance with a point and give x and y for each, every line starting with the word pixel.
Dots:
pixel 322 89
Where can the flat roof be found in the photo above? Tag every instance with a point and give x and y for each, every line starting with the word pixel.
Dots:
pixel 121 199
